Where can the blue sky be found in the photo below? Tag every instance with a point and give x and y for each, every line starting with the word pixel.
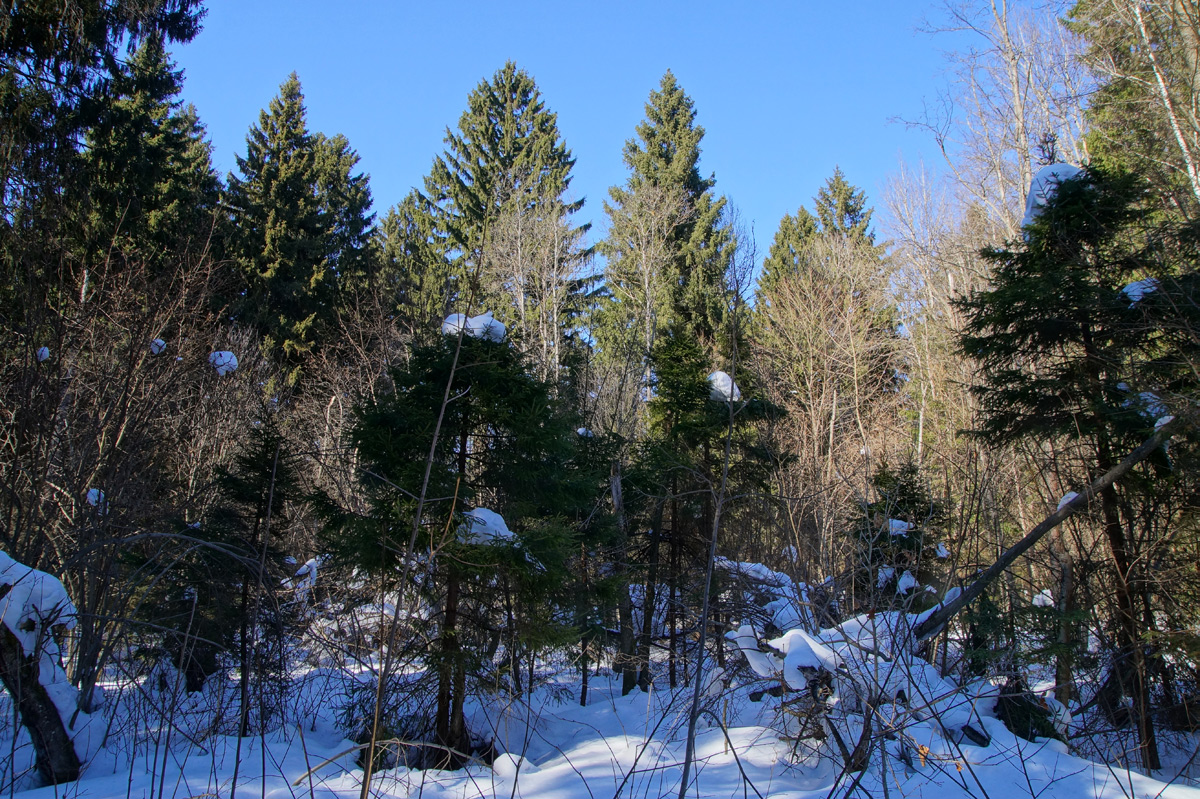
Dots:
pixel 784 90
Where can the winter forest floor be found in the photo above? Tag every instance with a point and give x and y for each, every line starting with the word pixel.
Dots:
pixel 549 746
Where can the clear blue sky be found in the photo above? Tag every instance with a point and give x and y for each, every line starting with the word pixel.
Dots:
pixel 784 90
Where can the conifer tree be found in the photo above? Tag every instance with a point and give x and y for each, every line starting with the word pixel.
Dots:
pixel 301 228
pixel 504 443
pixel 1067 353
pixel 665 181
pixel 505 160
pixel 414 272
pixel 149 170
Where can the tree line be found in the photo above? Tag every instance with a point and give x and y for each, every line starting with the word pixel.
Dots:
pixel 876 411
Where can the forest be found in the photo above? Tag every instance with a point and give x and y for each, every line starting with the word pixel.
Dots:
pixel 485 500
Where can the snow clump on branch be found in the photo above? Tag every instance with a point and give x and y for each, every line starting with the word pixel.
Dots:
pixel 723 388
pixel 484 326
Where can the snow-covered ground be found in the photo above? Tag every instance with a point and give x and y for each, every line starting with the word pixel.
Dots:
pixel 616 746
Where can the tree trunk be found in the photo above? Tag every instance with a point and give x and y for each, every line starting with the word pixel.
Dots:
pixel 649 600
pixel 625 656
pixel 55 753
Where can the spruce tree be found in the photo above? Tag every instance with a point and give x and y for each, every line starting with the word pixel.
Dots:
pixel 301 228
pixel 150 179
pixel 1067 353
pixel 414 272
pixel 505 159
pixel 663 163
pixel 503 442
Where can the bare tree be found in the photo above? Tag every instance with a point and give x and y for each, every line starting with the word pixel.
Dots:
pixel 1016 87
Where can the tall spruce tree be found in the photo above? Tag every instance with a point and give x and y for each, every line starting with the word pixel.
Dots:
pixel 301 227
pixel 505 160
pixel 666 195
pixel 150 179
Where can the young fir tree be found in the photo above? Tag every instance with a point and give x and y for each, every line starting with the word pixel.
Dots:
pixel 301 228
pixel 1067 352
pixel 502 442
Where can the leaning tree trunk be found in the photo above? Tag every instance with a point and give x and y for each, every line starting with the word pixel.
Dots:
pixel 57 761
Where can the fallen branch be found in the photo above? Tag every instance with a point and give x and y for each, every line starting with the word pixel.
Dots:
pixel 932 624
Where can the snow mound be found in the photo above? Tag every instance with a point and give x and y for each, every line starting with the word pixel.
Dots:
pixel 803 655
pixel 906 583
pixel 157 346
pixel 1139 289
pixel 35 602
pixel 484 326
pixel 723 388
pixel 1044 186
pixel 223 361
pixel 761 663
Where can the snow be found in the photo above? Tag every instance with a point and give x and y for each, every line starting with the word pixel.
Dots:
pixel 43 354
pixel 906 583
pixel 485 326
pixel 761 663
pixel 33 604
pixel 1043 599
pixel 95 498
pixel 304 580
pixel 157 346
pixel 583 432
pixel 886 573
pixel 1139 289
pixel 223 361
pixel 1163 420
pixel 1044 186
pixel 547 745
pixel 484 527
pixel 898 527
pixel 1062 503
pixel 723 388
pixel 942 552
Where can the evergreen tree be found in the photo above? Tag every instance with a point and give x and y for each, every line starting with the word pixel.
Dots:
pixel 506 159
pixel 414 273
pixel 1068 354
pixel 665 181
pixel 149 170
pixel 503 442
pixel 1143 116
pixel 301 231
